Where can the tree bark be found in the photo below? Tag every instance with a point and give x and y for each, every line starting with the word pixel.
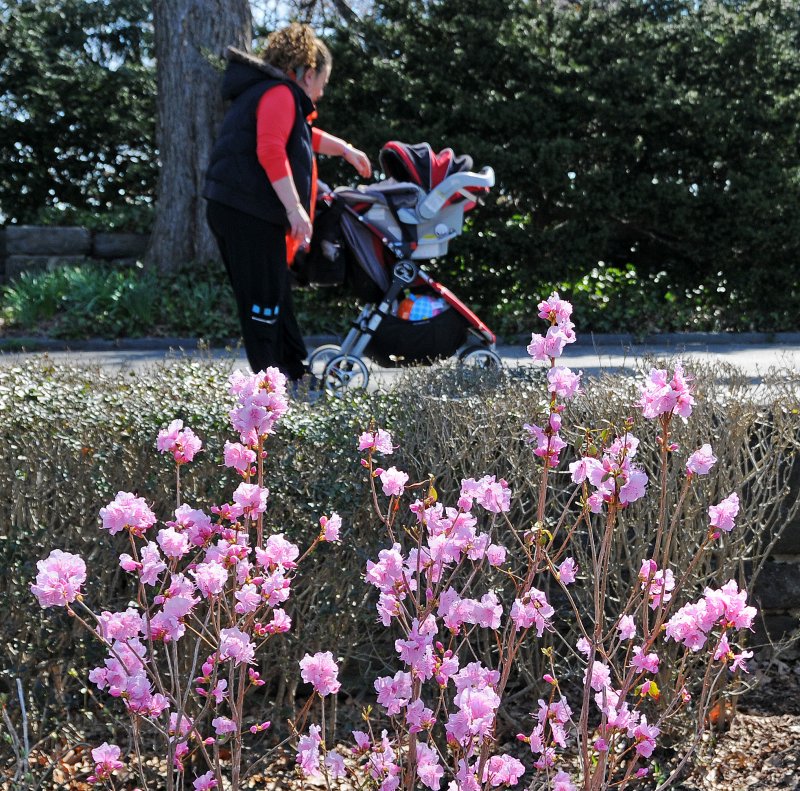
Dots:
pixel 190 40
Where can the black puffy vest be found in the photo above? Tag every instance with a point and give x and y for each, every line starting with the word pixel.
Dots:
pixel 235 176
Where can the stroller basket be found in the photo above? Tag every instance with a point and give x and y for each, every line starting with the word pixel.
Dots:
pixel 401 342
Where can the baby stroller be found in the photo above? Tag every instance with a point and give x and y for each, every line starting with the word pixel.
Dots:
pixel 373 239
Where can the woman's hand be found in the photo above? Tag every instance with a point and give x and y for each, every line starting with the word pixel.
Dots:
pixel 358 159
pixel 301 228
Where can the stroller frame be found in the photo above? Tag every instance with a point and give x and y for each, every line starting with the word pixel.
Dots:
pixel 339 367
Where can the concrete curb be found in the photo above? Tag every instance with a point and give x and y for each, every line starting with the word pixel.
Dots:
pixel 586 340
pixel 44 344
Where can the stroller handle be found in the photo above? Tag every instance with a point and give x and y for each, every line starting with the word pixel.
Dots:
pixel 458 182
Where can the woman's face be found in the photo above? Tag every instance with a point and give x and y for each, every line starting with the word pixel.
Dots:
pixel 314 81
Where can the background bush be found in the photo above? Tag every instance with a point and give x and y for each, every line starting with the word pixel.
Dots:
pixel 71 438
pixel 658 138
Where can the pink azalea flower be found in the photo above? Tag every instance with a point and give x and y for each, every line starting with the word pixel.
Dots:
pixel 634 488
pixel 205 782
pixel 554 309
pixel 393 692
pixel 393 481
pixel 379 442
pixel 645 662
pixel 739 661
pixel 195 523
pixel 239 457
pixel 645 736
pixel 334 763
pixel 280 622
pixel 701 461
pixel 429 770
pixel 567 570
pixel 235 644
pixel 562 782
pixel 660 395
pixel 248 598
pixel 120 625
pixel 543 349
pixel 599 676
pixel 496 554
pixel 494 495
pixel 533 610
pixel 174 544
pixel 181 442
pixel 321 671
pixel 278 551
pixel 563 382
pixel 330 527
pixel 127 512
pixel 210 578
pixel 308 752
pixel 418 717
pixel 723 515
pixel 106 761
pixel 251 498
pixel 626 628
pixel 59 580
pixel 223 725
pixel 152 564
pixel 503 770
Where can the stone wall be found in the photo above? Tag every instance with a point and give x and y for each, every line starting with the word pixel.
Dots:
pixel 777 590
pixel 36 248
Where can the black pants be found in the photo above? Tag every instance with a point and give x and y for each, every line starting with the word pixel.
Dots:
pixel 254 253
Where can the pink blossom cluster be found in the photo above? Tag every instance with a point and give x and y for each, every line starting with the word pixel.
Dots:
pixel 665 395
pixel 549 732
pixel 557 311
pixel 106 762
pixel 321 671
pixel 450 537
pixel 621 722
pixel 124 675
pixel 262 402
pixel 614 476
pixel 722 609
pixel 723 515
pixel 181 442
pixel 379 441
pixel 547 441
pixel 127 512
pixel 562 383
pixel 658 583
pixel 60 578
pixel 701 461
pixel 532 610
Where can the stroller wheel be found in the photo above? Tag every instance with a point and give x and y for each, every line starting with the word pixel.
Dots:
pixel 345 372
pixel 318 359
pixel 480 357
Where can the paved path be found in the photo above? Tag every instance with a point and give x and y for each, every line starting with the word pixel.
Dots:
pixel 753 353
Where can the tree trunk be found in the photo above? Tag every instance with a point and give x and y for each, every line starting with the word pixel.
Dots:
pixel 190 41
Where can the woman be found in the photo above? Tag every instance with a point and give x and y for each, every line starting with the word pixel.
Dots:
pixel 261 185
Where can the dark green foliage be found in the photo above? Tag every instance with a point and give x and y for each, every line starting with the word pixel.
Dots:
pixel 109 302
pixel 658 135
pixel 195 301
pixel 657 138
pixel 77 116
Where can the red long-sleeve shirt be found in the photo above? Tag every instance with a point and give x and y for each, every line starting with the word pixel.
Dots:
pixel 275 118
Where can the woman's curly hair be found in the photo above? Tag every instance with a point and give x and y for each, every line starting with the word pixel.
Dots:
pixel 295 48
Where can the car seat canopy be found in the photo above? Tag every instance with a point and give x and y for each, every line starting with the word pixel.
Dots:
pixel 419 164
